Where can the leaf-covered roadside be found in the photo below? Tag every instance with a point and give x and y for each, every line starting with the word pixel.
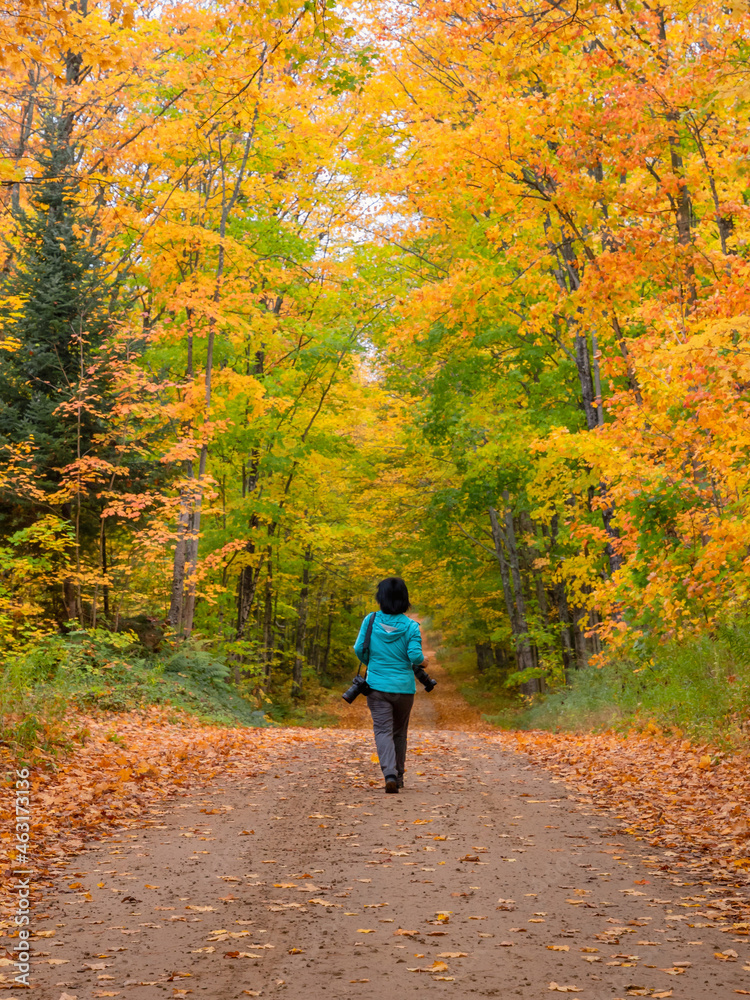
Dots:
pixel 669 792
pixel 121 769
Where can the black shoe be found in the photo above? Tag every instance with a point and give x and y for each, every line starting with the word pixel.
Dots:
pixel 391 784
pixel 400 781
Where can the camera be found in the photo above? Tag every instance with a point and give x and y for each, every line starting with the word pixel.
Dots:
pixel 359 686
pixel 427 682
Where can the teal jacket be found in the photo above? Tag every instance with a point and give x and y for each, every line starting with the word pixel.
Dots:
pixel 395 647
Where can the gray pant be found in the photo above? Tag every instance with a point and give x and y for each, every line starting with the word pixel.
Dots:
pixel 390 722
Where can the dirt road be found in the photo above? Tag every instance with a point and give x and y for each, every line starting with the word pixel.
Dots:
pixel 302 879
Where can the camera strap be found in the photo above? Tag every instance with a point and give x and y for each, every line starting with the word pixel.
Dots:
pixel 366 644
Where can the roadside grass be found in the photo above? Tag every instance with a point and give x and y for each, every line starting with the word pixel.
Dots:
pixel 698 689
pixel 43 687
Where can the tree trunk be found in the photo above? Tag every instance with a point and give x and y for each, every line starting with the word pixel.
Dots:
pixel 327 650
pixel 246 591
pixel 582 652
pixel 178 564
pixel 516 608
pixel 504 575
pixel 314 655
pixel 249 575
pixel 484 656
pixel 592 405
pixel 69 586
pixel 501 660
pixel 525 653
pixel 565 631
pixel 268 620
pixel 194 525
pixel 301 628
pixel 228 201
pixel 177 597
pixel 105 585
pixel 583 365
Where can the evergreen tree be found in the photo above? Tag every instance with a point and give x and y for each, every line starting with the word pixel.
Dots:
pixel 54 314
pixel 54 387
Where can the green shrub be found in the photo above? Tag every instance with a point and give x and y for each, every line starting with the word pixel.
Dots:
pixel 94 669
pixel 699 688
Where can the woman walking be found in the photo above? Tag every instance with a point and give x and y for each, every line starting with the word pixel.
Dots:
pixel 395 650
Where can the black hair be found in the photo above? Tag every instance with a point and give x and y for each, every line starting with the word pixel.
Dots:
pixel 392 596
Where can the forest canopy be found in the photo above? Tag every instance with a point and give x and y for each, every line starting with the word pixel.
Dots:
pixel 296 295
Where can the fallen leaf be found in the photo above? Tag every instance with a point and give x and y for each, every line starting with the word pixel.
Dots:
pixel 558 947
pixel 565 989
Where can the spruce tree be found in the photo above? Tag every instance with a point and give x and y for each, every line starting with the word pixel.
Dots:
pixel 54 310
pixel 53 323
